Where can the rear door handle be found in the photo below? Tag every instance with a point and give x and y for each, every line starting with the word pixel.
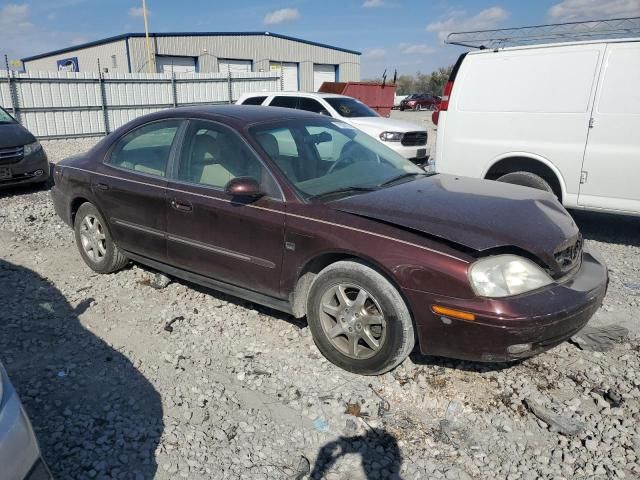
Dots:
pixel 102 186
pixel 182 206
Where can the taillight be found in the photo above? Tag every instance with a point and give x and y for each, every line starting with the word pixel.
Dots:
pixel 444 100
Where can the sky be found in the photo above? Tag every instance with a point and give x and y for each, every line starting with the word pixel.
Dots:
pixel 407 35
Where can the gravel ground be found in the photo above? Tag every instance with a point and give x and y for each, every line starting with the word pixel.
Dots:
pixel 122 380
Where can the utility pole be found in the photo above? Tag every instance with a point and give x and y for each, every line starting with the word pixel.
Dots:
pixel 146 34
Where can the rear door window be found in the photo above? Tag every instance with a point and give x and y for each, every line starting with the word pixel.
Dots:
pixel 312 105
pixel 146 149
pixel 286 102
pixel 254 100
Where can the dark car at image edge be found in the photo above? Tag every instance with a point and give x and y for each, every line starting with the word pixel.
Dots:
pixel 313 217
pixel 22 159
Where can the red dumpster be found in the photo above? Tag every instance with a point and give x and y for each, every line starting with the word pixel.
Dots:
pixel 378 96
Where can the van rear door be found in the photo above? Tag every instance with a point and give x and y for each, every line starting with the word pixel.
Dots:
pixel 611 167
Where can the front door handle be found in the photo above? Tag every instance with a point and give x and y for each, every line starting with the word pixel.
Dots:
pixel 181 205
pixel 102 186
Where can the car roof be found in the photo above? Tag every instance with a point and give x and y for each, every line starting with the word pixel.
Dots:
pixel 294 93
pixel 241 113
pixel 485 51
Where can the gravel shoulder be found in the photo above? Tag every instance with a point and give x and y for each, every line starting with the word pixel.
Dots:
pixel 122 380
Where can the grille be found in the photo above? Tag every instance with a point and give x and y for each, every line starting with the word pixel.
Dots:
pixel 569 257
pixel 11 155
pixel 414 139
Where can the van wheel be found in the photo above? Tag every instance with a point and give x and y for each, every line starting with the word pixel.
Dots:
pixel 526 179
pixel 94 241
pixel 358 319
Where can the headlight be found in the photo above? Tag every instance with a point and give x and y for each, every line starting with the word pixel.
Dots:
pixel 32 148
pixel 391 136
pixel 505 275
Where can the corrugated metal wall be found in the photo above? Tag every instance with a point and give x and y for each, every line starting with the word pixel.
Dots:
pixel 87 59
pixel 60 104
pixel 260 49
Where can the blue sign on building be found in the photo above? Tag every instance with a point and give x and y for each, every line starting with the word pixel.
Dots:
pixel 68 65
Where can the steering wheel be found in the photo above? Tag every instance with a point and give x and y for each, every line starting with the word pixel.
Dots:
pixel 351 153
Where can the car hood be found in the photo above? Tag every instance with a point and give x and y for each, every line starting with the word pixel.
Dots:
pixel 385 124
pixel 14 135
pixel 476 214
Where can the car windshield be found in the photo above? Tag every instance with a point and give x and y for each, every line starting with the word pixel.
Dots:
pixel 323 158
pixel 5 117
pixel 350 107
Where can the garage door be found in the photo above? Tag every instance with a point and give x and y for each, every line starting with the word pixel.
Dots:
pixel 289 75
pixel 175 64
pixel 323 73
pixel 234 66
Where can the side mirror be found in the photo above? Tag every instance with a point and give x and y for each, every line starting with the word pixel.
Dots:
pixel 243 187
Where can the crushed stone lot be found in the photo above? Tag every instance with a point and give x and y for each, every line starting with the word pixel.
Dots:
pixel 124 380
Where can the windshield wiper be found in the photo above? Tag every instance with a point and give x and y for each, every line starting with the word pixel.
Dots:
pixel 342 190
pixel 400 177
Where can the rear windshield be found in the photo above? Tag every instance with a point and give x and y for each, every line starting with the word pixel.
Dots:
pixel 5 117
pixel 350 107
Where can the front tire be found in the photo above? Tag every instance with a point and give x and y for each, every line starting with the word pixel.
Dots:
pixel 94 241
pixel 358 319
pixel 527 179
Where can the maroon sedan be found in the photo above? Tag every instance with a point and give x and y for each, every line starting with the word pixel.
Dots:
pixel 308 215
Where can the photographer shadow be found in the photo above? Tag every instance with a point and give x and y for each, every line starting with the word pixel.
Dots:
pixel 378 449
pixel 94 413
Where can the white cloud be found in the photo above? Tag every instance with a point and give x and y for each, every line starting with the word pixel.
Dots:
pixel 373 3
pixel 375 53
pixel 415 49
pixel 14 19
pixel 281 16
pixel 575 10
pixel 138 12
pixel 459 21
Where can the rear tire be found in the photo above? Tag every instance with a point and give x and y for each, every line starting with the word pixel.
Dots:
pixel 94 241
pixel 358 319
pixel 526 179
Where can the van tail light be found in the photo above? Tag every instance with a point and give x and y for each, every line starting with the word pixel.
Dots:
pixel 444 100
pixel 443 106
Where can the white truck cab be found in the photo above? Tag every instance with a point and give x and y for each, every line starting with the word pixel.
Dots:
pixel 407 139
pixel 564 117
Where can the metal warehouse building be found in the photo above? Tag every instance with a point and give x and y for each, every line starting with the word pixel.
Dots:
pixel 304 65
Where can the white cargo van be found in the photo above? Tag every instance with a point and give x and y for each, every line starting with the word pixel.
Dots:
pixel 564 117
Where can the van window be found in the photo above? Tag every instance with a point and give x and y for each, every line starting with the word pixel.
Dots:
pixel 539 81
pixel 619 91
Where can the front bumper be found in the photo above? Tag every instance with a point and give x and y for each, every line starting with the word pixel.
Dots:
pixel 31 169
pixel 419 154
pixel 503 327
pixel 20 456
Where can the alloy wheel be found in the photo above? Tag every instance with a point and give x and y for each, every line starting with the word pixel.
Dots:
pixel 353 321
pixel 93 238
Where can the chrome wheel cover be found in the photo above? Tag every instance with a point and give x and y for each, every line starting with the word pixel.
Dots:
pixel 93 239
pixel 352 321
